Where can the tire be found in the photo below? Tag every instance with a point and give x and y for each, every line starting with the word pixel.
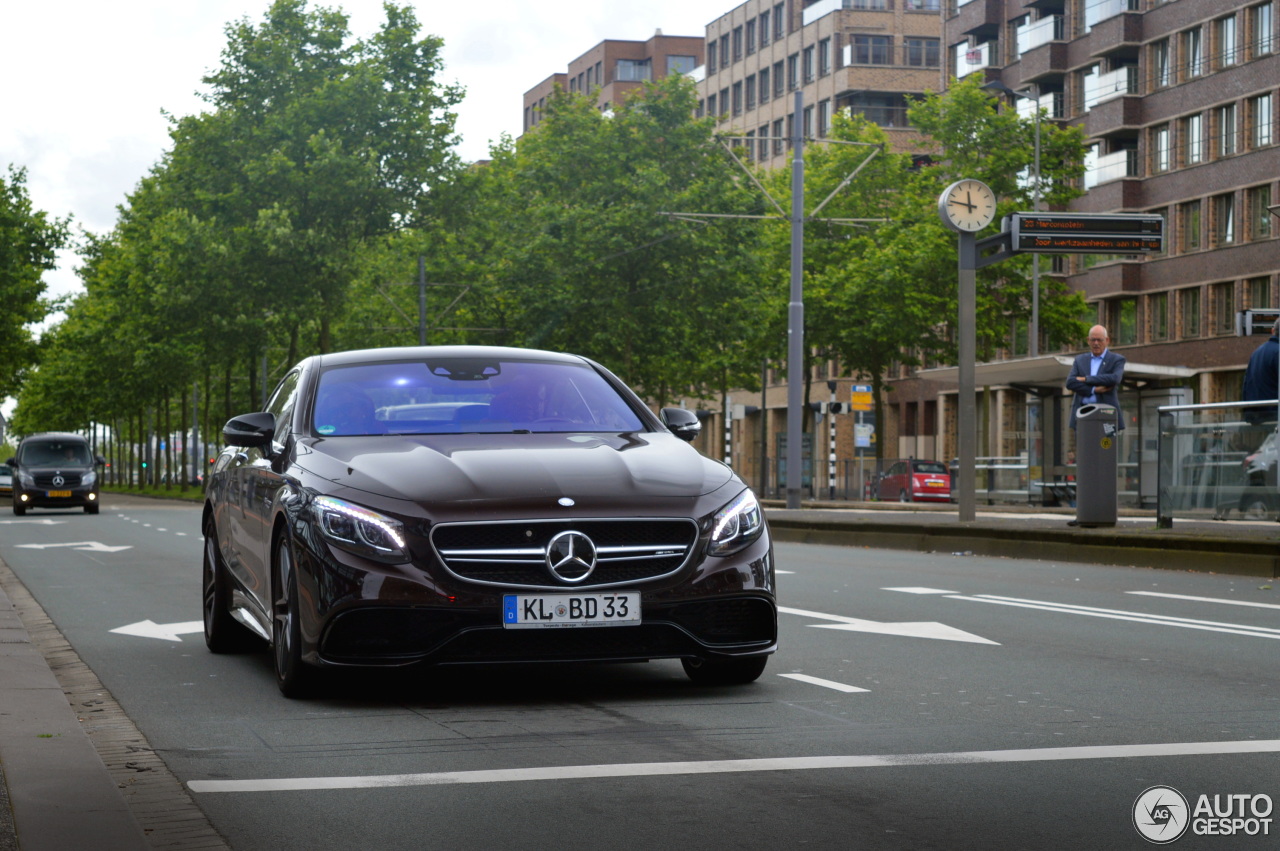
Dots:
pixel 18 509
pixel 91 509
pixel 725 672
pixel 294 677
pixel 222 632
pixel 903 496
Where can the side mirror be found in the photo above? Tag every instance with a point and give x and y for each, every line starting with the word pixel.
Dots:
pixel 682 423
pixel 99 460
pixel 11 462
pixel 254 430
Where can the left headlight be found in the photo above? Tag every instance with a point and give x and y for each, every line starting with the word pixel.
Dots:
pixel 27 480
pixel 736 526
pixel 359 530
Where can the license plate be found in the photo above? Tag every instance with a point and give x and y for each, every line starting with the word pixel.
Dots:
pixel 534 611
pixel 55 494
pixel 935 484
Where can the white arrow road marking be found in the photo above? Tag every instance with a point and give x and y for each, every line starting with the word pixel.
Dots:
pixel 1249 603
pixel 89 546
pixel 920 590
pixel 167 631
pixel 922 629
pixel 726 766
pixel 815 681
pixel 45 522
pixel 1121 615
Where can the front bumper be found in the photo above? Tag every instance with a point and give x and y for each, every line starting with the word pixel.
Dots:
pixel 40 498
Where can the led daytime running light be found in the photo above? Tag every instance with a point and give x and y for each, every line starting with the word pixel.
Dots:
pixel 361 515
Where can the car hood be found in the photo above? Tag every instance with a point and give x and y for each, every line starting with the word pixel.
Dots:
pixel 591 469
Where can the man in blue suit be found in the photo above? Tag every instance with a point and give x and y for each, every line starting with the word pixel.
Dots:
pixel 1095 376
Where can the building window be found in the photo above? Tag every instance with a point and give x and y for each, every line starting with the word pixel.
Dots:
pixel 1225 130
pixel 632 70
pixel 793 71
pixel 871 50
pixel 764 85
pixel 1222 304
pixel 806 117
pixel 764 27
pixel 751 36
pixel 737 98
pixel 824 118
pixel 779 143
pixel 737 44
pixel 779 21
pixel 1257 200
pixel 1193 138
pixel 751 92
pixel 711 106
pixel 808 64
pixel 763 141
pixel 1160 68
pixel 725 58
pixel 924 5
pixel 1225 36
pixel 724 101
pixel 1224 219
pixel 923 52
pixel 1192 54
pixel 824 57
pixel 1123 321
pixel 871 5
pixel 1257 292
pixel 1160 148
pixel 1261 21
pixel 1260 115
pixel 779 82
pixel 681 64
pixel 1189 226
pixel 1158 309
pixel 1189 308
pixel 711 56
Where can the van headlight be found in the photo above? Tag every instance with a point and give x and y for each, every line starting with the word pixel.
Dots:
pixel 360 530
pixel 736 526
pixel 88 479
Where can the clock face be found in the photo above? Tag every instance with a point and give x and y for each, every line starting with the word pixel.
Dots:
pixel 967 205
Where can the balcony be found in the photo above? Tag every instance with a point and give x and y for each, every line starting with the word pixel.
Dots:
pixel 973 59
pixel 1109 167
pixel 1051 102
pixel 978 17
pixel 1113 115
pixel 1046 61
pixel 1097 11
pixel 1043 31
pixel 1119 34
pixel 1099 88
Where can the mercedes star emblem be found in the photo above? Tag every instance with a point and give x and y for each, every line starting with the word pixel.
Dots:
pixel 571 556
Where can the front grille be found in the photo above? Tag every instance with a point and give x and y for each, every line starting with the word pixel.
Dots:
pixel 69 480
pixel 514 554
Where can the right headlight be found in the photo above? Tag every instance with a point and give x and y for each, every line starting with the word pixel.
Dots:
pixel 736 526
pixel 360 530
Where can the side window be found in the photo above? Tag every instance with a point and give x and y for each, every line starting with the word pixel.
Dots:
pixel 282 403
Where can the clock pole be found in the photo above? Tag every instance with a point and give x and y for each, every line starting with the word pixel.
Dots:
pixel 966 411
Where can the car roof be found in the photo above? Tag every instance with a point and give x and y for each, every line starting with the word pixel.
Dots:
pixel 56 435
pixel 409 353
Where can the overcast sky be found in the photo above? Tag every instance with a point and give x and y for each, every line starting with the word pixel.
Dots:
pixel 84 85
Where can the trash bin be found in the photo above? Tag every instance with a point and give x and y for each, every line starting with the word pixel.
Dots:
pixel 1097 442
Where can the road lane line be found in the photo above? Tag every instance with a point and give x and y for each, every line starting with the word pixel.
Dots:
pixel 815 681
pixel 730 766
pixel 1121 615
pixel 1206 599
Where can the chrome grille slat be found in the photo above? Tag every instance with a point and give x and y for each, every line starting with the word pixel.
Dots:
pixel 628 550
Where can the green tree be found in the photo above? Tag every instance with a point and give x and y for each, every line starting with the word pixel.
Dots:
pixel 29 241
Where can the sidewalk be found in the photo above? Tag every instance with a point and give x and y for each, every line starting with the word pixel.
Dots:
pixel 60 794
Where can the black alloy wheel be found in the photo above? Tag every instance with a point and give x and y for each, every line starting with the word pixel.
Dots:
pixel 222 633
pixel 294 677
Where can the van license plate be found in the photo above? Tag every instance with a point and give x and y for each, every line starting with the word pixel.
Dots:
pixel 535 611
pixel 56 494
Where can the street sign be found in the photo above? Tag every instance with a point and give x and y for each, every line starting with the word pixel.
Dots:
pixel 1084 233
pixel 861 398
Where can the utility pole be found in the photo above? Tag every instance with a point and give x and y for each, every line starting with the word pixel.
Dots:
pixel 795 313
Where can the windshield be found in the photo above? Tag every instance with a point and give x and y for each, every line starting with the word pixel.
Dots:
pixel 51 453
pixel 468 395
pixel 929 467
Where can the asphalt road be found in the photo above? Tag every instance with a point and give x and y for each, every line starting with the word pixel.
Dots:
pixel 919 701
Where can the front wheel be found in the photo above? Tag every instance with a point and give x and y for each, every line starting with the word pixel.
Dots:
pixel 222 633
pixel 294 677
pixel 725 672
pixel 18 508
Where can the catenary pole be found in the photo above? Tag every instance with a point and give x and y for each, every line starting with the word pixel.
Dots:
pixel 795 312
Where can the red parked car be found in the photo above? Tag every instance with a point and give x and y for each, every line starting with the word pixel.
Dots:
pixel 913 480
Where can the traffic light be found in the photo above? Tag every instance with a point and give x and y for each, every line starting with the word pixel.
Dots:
pixel 836 407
